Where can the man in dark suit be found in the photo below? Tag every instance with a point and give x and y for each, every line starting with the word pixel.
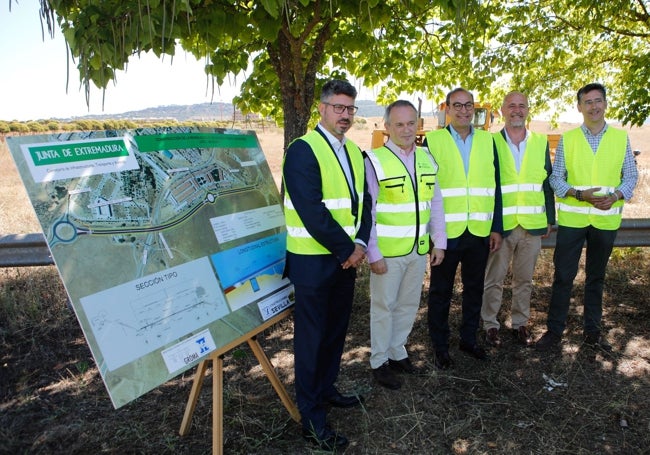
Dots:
pixel 327 210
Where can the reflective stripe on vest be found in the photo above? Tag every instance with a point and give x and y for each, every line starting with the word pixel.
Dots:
pixel 522 192
pixel 586 169
pixel 468 199
pixel 402 210
pixel 336 195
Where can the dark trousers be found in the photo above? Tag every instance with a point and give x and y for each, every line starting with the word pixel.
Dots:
pixel 321 317
pixel 471 252
pixel 566 258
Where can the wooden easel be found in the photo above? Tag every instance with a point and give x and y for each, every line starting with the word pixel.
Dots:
pixel 217 383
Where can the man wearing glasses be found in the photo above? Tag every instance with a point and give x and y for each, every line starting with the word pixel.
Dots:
pixel 593 173
pixel 327 211
pixel 469 180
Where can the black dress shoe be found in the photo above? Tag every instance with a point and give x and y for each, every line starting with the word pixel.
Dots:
pixel 443 361
pixel 403 366
pixel 594 340
pixel 474 350
pixel 344 401
pixel 384 376
pixel 549 341
pixel 325 439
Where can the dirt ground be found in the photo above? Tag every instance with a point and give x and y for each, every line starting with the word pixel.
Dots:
pixel 578 401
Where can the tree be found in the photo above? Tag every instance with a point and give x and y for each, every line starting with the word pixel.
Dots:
pixel 546 48
pixel 552 47
pixel 294 44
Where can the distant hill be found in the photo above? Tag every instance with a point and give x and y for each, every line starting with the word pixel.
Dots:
pixel 211 111
pixel 203 111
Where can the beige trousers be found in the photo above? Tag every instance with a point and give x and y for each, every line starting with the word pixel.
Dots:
pixel 523 249
pixel 394 302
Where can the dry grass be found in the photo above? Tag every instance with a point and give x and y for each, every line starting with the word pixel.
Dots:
pixel 52 399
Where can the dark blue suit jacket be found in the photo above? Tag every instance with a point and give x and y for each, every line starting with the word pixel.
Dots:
pixel 302 180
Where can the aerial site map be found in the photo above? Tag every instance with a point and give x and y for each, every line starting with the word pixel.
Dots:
pixel 170 242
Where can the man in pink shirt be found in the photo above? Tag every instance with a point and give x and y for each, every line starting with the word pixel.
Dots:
pixel 408 222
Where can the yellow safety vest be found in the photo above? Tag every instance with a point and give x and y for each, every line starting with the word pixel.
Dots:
pixel 402 210
pixel 523 195
pixel 468 199
pixel 336 195
pixel 586 169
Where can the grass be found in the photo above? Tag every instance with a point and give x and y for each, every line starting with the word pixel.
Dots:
pixel 53 401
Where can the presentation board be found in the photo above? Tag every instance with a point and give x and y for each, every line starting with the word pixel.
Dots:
pixel 170 242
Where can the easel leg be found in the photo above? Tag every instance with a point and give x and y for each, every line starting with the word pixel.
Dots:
pixel 273 377
pixel 194 396
pixel 217 407
pixel 217 393
pixel 217 401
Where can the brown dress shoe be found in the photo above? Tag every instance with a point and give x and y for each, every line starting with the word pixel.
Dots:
pixel 492 337
pixel 384 375
pixel 522 334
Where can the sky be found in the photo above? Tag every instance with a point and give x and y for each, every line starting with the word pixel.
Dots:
pixel 33 75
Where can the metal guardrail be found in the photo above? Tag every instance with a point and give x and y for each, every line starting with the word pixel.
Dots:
pixel 24 250
pixel 633 232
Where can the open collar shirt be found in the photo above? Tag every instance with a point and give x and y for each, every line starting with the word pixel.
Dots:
pixel 464 145
pixel 518 150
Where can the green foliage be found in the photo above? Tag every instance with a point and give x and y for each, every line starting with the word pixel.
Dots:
pixel 88 125
pixel 551 48
pixel 36 127
pixel 18 127
pixel 53 126
pixel 295 45
pixel 43 126
pixel 283 50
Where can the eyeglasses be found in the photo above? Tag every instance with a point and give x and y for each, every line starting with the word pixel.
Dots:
pixel 339 108
pixel 460 106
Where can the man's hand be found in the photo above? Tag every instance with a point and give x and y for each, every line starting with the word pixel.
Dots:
pixel 379 267
pixel 606 203
pixel 356 258
pixel 495 241
pixel 549 229
pixel 437 255
pixel 590 196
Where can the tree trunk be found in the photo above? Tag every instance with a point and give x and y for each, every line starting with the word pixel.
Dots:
pixel 296 63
